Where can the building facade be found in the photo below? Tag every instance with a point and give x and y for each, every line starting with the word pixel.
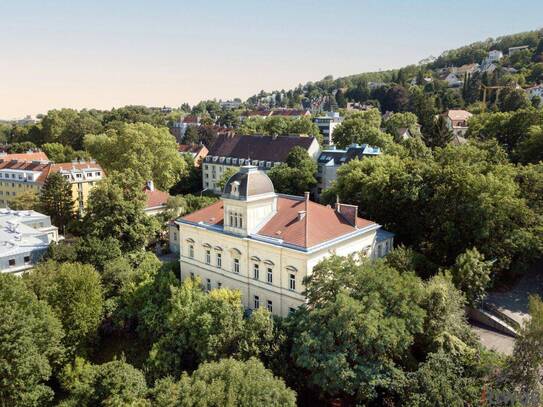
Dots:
pixel 330 160
pixel 265 152
pixel 457 121
pixel 264 244
pixel 24 238
pixel 18 176
pixel 327 125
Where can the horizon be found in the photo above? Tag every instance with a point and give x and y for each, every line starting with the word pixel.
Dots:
pixel 93 56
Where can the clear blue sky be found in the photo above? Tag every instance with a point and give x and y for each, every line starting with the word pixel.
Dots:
pixel 111 53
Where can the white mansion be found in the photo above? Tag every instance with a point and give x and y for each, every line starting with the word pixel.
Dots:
pixel 264 244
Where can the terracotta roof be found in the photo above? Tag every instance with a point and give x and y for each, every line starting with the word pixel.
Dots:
pixel 27 166
pixel 460 115
pixel 189 148
pixel 289 112
pixel 320 223
pixel 155 198
pixel 34 156
pixel 265 148
pixel 191 119
pixel 75 166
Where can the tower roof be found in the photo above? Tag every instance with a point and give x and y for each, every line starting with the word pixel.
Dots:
pixel 248 182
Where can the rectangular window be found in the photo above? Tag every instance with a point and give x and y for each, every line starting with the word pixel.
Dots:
pixel 219 260
pixel 175 236
pixel 231 219
pixel 256 301
pixel 270 275
pixel 256 272
pixel 292 282
pixel 219 285
pixel 208 284
pixel 191 251
pixel 27 259
pixel 11 262
pixel 208 257
pixel 236 265
pixel 269 306
pixel 192 275
pixel 240 221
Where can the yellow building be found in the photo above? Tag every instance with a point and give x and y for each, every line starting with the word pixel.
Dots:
pixel 18 176
pixel 264 244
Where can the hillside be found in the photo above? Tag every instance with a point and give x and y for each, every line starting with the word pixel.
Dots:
pixel 523 68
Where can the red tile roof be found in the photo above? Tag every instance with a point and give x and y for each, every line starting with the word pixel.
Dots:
pixel 191 119
pixel 320 223
pixel 78 166
pixel 44 168
pixel 458 115
pixel 34 156
pixel 155 198
pixel 189 148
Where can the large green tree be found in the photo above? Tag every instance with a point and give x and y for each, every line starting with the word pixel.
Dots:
pixel 228 383
pixel 75 294
pixel 56 200
pixel 115 209
pixel 30 345
pixel 360 321
pixel 148 151
pixel 206 326
pixel 296 175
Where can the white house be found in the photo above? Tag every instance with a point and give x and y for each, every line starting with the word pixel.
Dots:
pixel 536 90
pixel 264 244
pixel 494 56
pixel 514 50
pixel 327 125
pixel 24 238
pixel 453 80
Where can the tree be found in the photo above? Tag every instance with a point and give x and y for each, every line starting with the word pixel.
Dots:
pixel 513 99
pixel 362 128
pixel 522 374
pixel 115 209
pixel 191 183
pixel 56 200
pixel 192 136
pixel 406 120
pixel 360 319
pixel 530 150
pixel 228 382
pixel 75 294
pixel 440 135
pixel 441 382
pixel 296 175
pixel 195 202
pixel 147 151
pixel 97 252
pixel 114 383
pixel 471 274
pixel 221 182
pixel 27 200
pixel 396 99
pixel 31 345
pixel 203 327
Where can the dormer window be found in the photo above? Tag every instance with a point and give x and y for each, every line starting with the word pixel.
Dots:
pixel 235 188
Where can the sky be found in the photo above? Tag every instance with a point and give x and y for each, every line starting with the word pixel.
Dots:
pixel 104 54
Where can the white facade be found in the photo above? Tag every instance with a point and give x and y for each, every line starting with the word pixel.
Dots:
pixel 24 237
pixel 327 125
pixel 239 254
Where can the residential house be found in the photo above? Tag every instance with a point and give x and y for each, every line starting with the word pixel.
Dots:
pixel 403 133
pixel 265 244
pixel 457 121
pixel 179 128
pixel 536 90
pixel 155 200
pixel 83 177
pixel 467 69
pixel 24 238
pixel 265 152
pixel 197 152
pixel 514 50
pixel 330 160
pixel 494 55
pixel 327 125
pixel 290 113
pixel 230 104
pixel 453 80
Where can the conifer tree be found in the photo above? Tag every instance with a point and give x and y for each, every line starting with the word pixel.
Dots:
pixel 56 200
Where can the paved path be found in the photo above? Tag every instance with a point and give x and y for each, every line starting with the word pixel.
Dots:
pixel 514 302
pixel 492 339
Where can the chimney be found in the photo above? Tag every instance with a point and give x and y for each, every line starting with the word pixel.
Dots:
pixel 306 196
pixel 150 185
pixel 301 215
pixel 348 212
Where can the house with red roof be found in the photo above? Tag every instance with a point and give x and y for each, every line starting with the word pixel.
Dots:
pixel 264 244
pixel 155 200
pixel 457 121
